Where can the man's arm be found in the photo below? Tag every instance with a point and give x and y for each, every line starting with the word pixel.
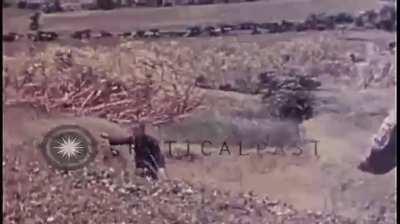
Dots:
pixel 381 138
pixel 160 160
pixel 117 140
pixel 158 156
pixel 120 140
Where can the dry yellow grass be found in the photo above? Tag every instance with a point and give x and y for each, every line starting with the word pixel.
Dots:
pixel 166 71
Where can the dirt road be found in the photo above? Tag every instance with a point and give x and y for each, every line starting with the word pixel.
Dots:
pixel 181 16
pixel 130 19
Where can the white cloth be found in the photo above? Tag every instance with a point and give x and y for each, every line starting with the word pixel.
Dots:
pixel 381 138
pixel 162 174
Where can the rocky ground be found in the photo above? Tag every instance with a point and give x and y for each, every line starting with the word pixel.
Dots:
pixel 100 195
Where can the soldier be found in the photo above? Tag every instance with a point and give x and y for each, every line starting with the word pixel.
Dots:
pixel 149 159
pixel 47 36
pixel 154 33
pixel 125 34
pixel 139 34
pixel 256 30
pixel 202 82
pixel 34 25
pixel 300 26
pixel 102 34
pixel 287 26
pixel 272 27
pixel 81 34
pixel 213 31
pixel 10 37
pixel 247 26
pixel 225 28
pixel 382 157
pixel 193 31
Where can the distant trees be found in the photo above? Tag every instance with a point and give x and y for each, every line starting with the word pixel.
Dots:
pixel 6 4
pixel 21 4
pixel 106 4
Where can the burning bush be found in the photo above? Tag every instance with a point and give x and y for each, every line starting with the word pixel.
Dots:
pixel 289 96
pixel 120 85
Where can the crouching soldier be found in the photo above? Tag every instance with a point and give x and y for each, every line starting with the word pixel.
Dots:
pixel 149 160
pixel 382 157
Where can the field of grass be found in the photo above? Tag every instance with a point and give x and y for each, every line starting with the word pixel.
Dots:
pixel 330 183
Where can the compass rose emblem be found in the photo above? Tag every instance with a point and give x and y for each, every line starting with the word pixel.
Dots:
pixel 69 147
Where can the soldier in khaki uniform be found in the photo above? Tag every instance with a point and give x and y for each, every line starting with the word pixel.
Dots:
pixel 382 157
pixel 149 159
